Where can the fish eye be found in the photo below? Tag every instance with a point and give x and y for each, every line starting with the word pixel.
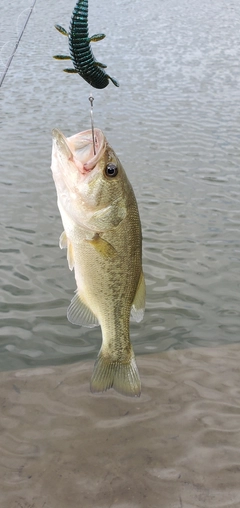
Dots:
pixel 111 170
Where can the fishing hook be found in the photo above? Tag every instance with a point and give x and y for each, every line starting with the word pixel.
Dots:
pixel 91 99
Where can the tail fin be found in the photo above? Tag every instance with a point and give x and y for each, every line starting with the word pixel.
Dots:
pixel 123 377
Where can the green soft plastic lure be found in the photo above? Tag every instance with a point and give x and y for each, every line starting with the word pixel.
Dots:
pixel 81 53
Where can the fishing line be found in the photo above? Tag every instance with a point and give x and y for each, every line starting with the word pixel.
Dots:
pixel 91 99
pixel 16 45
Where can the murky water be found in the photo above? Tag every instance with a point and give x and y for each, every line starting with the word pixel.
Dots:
pixel 175 447
pixel 174 122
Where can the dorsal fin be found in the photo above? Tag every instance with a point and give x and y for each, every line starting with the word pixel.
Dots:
pixel 138 305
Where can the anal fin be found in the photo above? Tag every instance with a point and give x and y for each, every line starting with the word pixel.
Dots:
pixel 79 313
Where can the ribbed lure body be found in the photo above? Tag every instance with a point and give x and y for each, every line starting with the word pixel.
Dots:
pixel 80 48
pixel 81 53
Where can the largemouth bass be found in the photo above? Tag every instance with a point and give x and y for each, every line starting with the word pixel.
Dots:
pixel 102 234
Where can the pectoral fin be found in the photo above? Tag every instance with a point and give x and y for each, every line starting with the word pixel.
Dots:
pixel 64 243
pixel 79 314
pixel 104 248
pixel 138 306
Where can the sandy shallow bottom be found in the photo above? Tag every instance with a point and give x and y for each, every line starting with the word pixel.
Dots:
pixel 177 446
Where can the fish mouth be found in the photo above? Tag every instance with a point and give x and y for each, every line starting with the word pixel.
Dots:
pixel 97 147
pixel 80 149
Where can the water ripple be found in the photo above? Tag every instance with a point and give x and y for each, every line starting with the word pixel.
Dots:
pixel 174 122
